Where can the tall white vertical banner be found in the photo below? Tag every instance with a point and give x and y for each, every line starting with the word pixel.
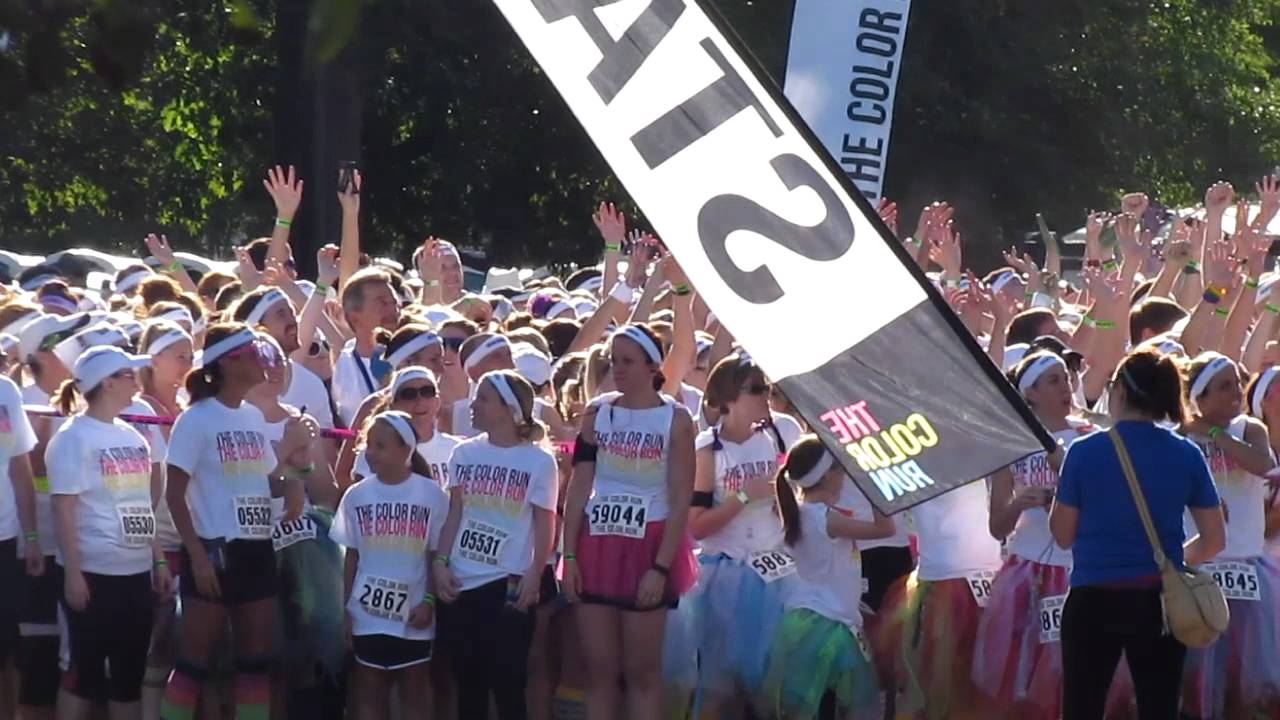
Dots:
pixel 842 76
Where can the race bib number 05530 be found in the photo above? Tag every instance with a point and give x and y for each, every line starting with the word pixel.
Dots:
pixel 772 565
pixel 384 598
pixel 137 523
pixel 253 516
pixel 1238 580
pixel 618 515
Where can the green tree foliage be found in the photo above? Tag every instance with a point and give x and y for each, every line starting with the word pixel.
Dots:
pixel 122 116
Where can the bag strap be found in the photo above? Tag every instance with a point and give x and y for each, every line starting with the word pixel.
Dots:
pixel 1138 499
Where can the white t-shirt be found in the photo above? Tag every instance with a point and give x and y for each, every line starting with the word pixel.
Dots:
pixel 1245 495
pixel 854 503
pixel 757 527
pixel 17 437
pixel 392 527
pixel 634 449
pixel 353 381
pixel 828 577
pixel 1031 539
pixel 108 467
pixel 436 451
pixel 462 426
pixel 307 390
pixel 500 487
pixel 691 398
pixel 227 454
pixel 954 538
pixel 33 395
pixel 166 531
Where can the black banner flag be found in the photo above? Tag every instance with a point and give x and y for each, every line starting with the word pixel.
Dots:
pixel 780 244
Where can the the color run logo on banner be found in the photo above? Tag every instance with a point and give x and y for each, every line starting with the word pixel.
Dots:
pixel 886 454
pixel 393 526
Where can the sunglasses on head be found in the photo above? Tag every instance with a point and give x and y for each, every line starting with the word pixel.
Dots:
pixel 756 389
pixel 426 392
pixel 51 341
pixel 453 344
pixel 266 354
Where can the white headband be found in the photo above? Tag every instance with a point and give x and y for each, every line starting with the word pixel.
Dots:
pixel 212 354
pixel 814 476
pixel 177 315
pixel 167 339
pixel 558 307
pixel 272 296
pixel 1215 366
pixel 420 341
pixel 1261 387
pixel 413 372
pixel 132 280
pixel 1003 279
pixel 1039 367
pixel 500 383
pixel 401 423
pixel 638 336
pixel 487 348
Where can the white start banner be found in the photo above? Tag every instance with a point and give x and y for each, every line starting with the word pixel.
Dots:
pixel 779 244
pixel 842 76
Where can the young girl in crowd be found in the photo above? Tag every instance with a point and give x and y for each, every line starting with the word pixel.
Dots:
pixel 1017 659
pixel 104 480
pixel 492 569
pixel 390 523
pixel 745 571
pixel 414 391
pixel 818 647
pixel 1237 676
pixel 627 553
pixel 220 476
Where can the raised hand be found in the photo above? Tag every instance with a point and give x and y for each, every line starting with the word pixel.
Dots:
pixel 158 246
pixel 888 212
pixel 1218 197
pixel 327 265
pixel 945 249
pixel 350 200
pixel 285 189
pixel 1135 204
pixel 1127 232
pixel 637 264
pixel 429 260
pixel 1219 266
pixel 612 225
pixel 275 273
pixel 250 276
pixel 1269 193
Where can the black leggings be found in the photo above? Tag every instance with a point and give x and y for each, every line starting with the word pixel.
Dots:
pixel 489 642
pixel 1098 624
pixel 114 628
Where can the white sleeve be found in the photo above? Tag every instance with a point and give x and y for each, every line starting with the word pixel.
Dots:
pixel 24 436
pixel 544 482
pixel 63 460
pixel 186 442
pixel 343 531
pixel 439 514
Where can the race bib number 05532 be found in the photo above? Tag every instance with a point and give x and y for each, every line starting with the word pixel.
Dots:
pixel 1238 580
pixel 384 598
pixel 618 515
pixel 253 516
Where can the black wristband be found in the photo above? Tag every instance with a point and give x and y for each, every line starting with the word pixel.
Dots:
pixel 663 571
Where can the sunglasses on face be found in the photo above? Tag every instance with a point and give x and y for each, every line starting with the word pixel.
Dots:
pixel 266 354
pixel 453 344
pixel 756 389
pixel 426 392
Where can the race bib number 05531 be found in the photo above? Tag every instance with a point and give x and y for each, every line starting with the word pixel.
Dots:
pixel 482 542
pixel 618 515
pixel 1238 580
pixel 384 598
pixel 253 516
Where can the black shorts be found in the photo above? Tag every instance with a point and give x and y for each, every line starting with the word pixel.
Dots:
pixel 246 571
pixel 881 568
pixel 12 569
pixel 113 631
pixel 39 636
pixel 388 652
pixel 38 611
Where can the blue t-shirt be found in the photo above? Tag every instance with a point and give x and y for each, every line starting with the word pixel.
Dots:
pixel 1111 544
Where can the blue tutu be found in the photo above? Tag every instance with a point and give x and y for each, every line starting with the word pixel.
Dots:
pixel 311 605
pixel 812 655
pixel 734 611
pixel 680 649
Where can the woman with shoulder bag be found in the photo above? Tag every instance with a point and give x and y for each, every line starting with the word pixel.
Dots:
pixel 1116 604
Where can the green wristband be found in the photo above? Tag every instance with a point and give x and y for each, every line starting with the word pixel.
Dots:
pixel 1111 265
pixel 160 563
pixel 1251 283
pixel 1273 308
pixel 570 556
pixel 1088 321
pixel 1104 324
pixel 281 222
pixel 681 290
pixel 323 288
pixel 174 266
pixel 429 599
pixel 442 559
pixel 32 536
pixel 431 283
pixel 1214 432
pixel 1222 312
pixel 612 247
pixel 1192 267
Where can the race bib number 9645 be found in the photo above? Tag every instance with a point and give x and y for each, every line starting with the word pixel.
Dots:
pixel 1238 580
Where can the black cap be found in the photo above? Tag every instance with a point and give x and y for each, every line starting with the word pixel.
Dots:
pixel 1057 347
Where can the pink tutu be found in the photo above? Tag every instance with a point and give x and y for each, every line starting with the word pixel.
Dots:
pixel 926 635
pixel 1010 663
pixel 611 566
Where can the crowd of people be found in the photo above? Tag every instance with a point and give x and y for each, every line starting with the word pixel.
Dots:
pixel 375 494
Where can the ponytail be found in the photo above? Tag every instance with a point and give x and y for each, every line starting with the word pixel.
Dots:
pixel 66 397
pixel 659 380
pixel 531 430
pixel 788 508
pixel 419 465
pixel 203 383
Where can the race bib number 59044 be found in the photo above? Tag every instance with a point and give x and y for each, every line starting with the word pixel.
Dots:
pixel 618 515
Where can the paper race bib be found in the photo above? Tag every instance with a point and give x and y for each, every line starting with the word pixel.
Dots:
pixel 1051 618
pixel 253 516
pixel 1238 580
pixel 292 532
pixel 980 586
pixel 482 542
pixel 384 598
pixel 618 515
pixel 772 565
pixel 137 523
